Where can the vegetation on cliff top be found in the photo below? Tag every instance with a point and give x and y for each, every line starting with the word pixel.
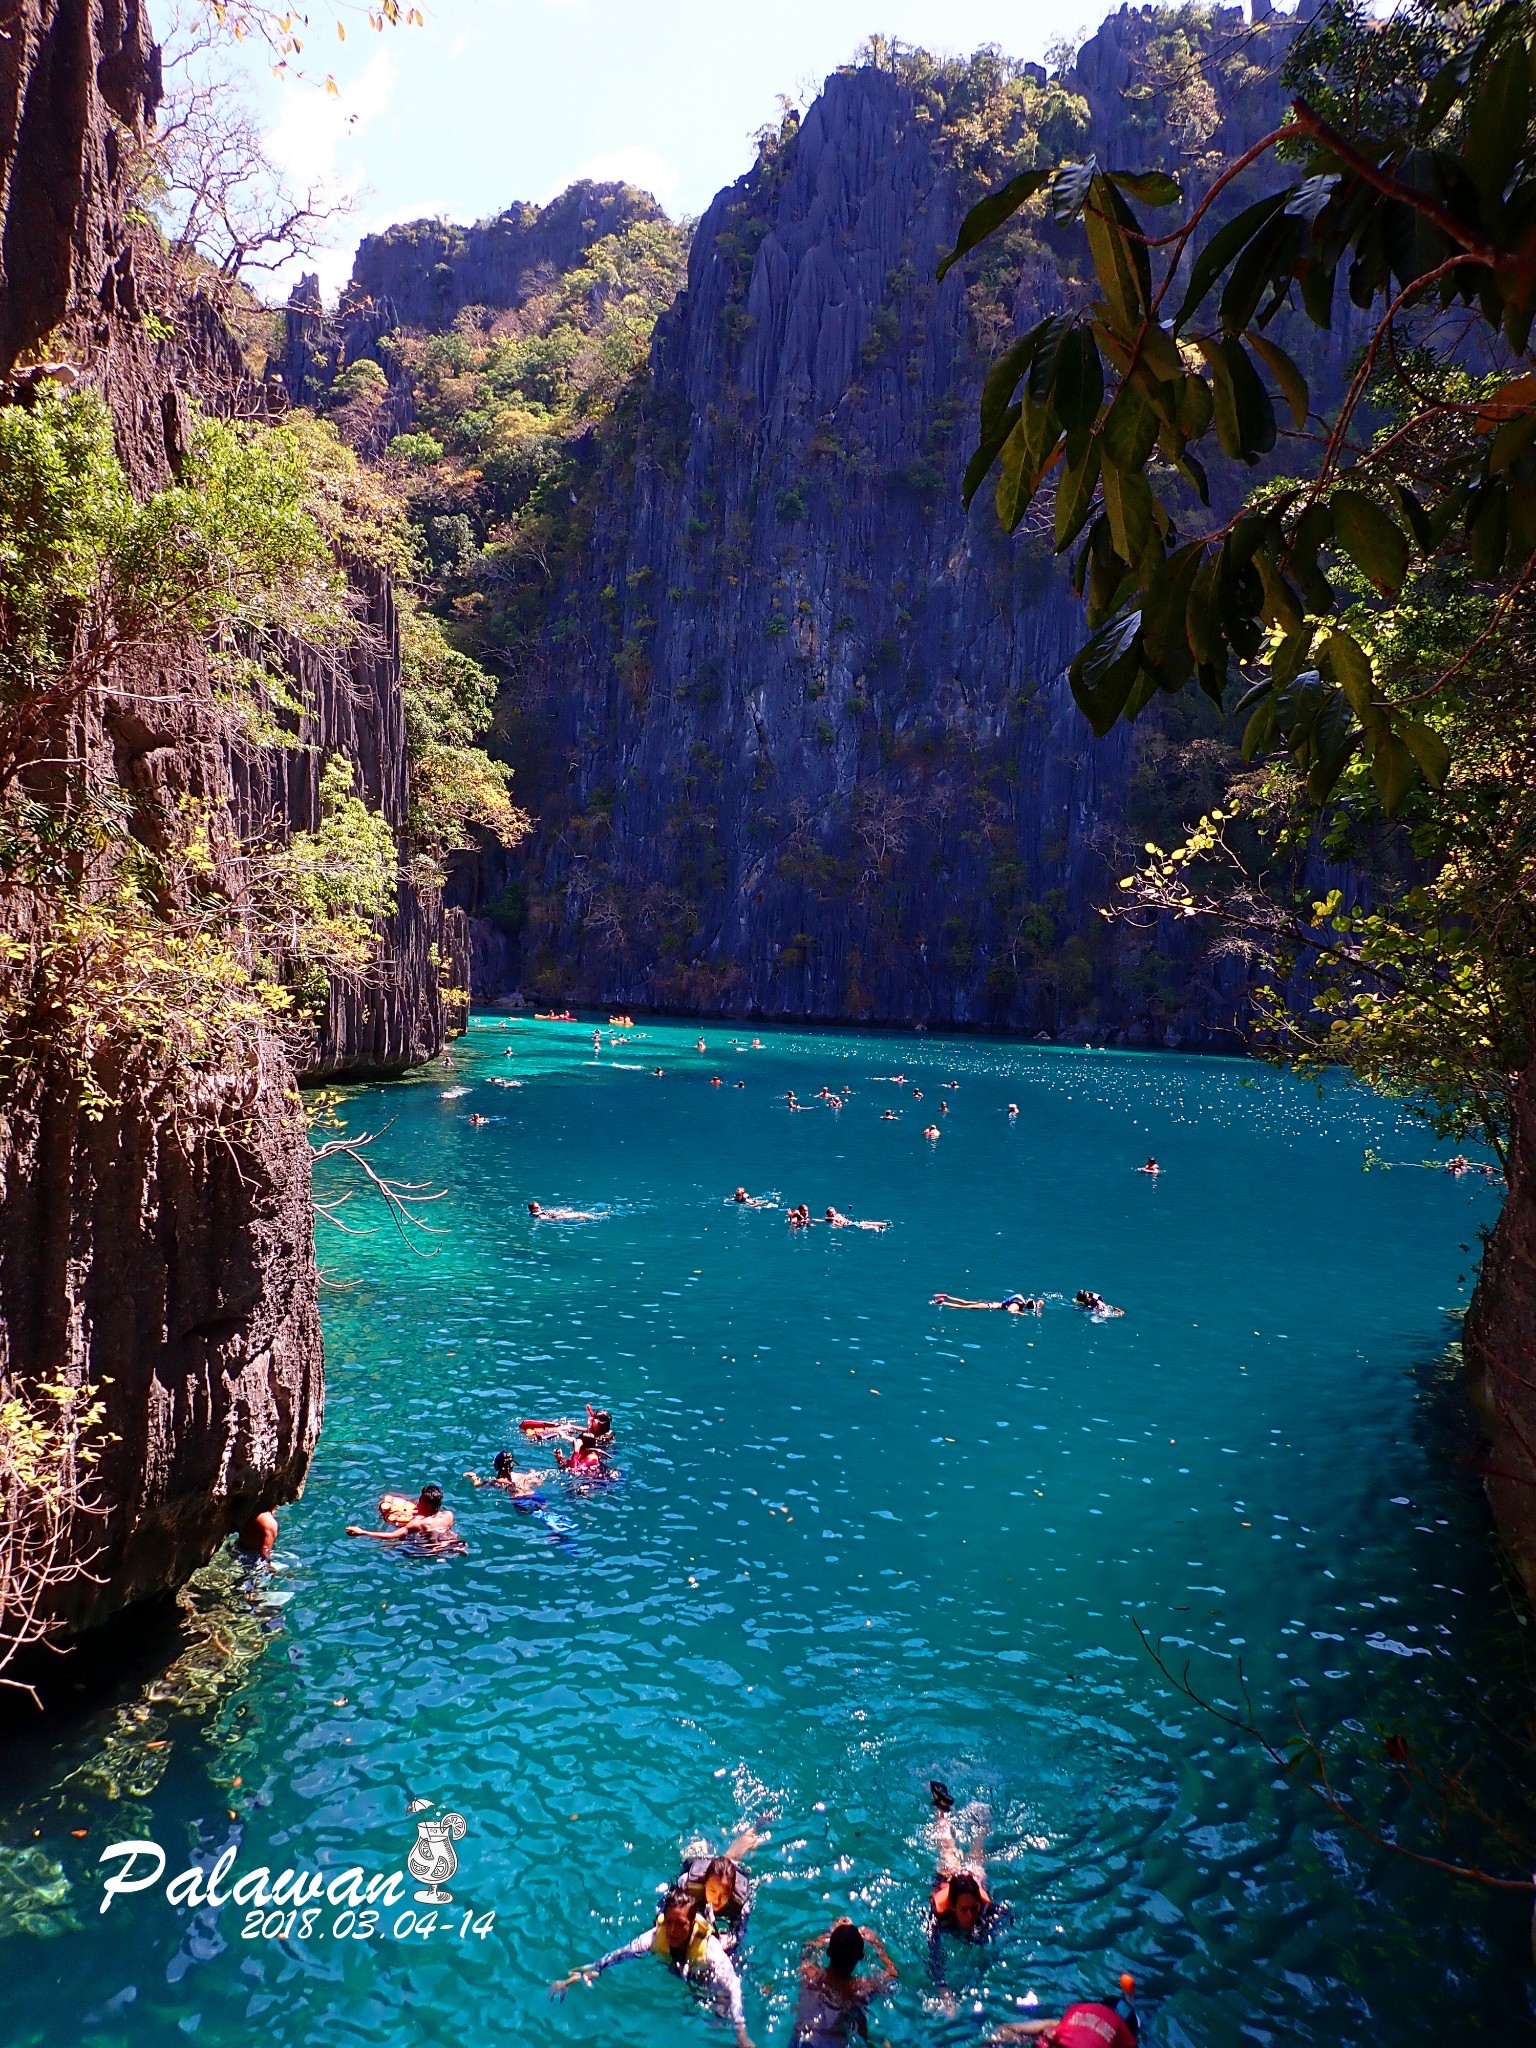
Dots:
pixel 1377 608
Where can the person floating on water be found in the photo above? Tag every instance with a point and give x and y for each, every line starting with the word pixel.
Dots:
pixel 429 1526
pixel 478 1119
pixel 1095 1304
pixel 1011 1304
pixel 684 1940
pixel 839 1221
pixel 745 1201
pixel 724 1886
pixel 1092 2023
pixel 1151 1167
pixel 1013 1110
pixel 959 1903
pixel 539 1214
pixel 834 2000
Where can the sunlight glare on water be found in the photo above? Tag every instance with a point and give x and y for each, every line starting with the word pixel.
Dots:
pixel 856 1544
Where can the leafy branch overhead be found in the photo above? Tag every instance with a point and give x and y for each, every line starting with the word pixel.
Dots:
pixel 1115 406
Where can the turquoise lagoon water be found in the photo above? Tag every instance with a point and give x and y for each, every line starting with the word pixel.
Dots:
pixel 856 1544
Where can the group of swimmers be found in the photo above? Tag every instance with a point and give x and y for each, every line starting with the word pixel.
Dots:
pixel 427 1527
pixel 799 1214
pixel 700 1928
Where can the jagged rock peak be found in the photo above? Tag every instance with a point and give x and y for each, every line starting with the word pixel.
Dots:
pixel 429 269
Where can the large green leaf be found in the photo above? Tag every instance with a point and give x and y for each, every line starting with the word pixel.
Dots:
pixel 1427 748
pixel 1115 261
pixel 1069 189
pixel 988 214
pixel 1075 488
pixel 1395 770
pixel 1223 248
pixel 1152 188
pixel 1286 375
pixel 1078 389
pixel 1372 539
pixel 1129 432
pixel 1104 670
pixel 1497 120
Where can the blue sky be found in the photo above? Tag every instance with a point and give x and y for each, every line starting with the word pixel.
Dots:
pixel 499 100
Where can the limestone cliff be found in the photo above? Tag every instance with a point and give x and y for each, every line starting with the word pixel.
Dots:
pixel 797 729
pixel 161 1250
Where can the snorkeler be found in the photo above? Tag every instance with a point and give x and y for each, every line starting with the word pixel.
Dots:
pixel 958 1900
pixel 1011 1304
pixel 1095 1304
pixel 508 1478
pixel 430 1526
pixel 587 1456
pixel 833 2000
pixel 685 1942
pixel 1092 2023
pixel 723 1884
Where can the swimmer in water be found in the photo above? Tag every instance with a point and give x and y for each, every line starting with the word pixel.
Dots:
pixel 540 1214
pixel 1151 1167
pixel 1011 1304
pixel 839 1221
pixel 757 1045
pixel 799 1216
pixel 932 1131
pixel 888 1116
pixel 586 1456
pixel 258 1536
pixel 743 1200
pixel 834 2000
pixel 657 1072
pixel 430 1527
pixel 724 1885
pixel 702 1046
pixel 1095 1304
pixel 508 1479
pixel 1091 2023
pixel 1013 1110
pixel 684 1940
pixel 943 1109
pixel 738 1084
pixel 477 1118
pixel 717 1082
pixel 959 1903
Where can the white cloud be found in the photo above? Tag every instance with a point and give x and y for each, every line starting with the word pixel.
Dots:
pixel 311 143
pixel 310 137
pixel 634 165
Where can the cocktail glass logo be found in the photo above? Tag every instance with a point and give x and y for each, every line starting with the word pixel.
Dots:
pixel 432 1859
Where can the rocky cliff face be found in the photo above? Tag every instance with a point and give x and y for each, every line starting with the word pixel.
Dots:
pixel 162 1250
pixel 799 736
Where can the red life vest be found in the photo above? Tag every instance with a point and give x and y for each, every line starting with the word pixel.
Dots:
pixel 1092 2026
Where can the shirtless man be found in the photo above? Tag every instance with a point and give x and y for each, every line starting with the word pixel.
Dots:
pixel 833 2001
pixel 431 1525
pixel 508 1478
pixel 259 1534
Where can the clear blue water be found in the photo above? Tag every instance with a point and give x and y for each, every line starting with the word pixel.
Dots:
pixel 857 1543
